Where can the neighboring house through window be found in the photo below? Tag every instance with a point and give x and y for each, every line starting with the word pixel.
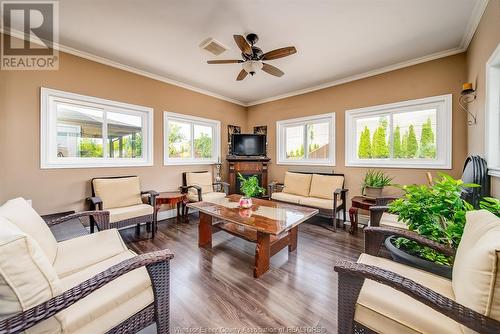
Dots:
pixel 80 131
pixel 306 140
pixel 190 140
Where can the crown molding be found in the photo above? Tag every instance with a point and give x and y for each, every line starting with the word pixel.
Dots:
pixel 105 61
pixel 364 75
pixel 469 32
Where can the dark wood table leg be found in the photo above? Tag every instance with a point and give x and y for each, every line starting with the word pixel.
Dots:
pixel 178 210
pixel 292 237
pixel 262 254
pixel 205 231
pixel 353 217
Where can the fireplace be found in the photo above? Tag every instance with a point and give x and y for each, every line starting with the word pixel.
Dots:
pixel 247 166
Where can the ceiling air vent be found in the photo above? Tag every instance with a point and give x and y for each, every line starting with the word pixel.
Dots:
pixel 213 46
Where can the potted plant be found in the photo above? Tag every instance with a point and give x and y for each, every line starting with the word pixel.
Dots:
pixel 374 183
pixel 436 212
pixel 250 188
pixel 491 204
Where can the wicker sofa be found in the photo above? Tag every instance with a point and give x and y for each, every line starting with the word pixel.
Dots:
pixel 320 191
pixel 89 284
pixel 377 295
pixel 123 198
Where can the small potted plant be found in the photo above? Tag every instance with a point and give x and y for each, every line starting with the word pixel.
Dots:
pixel 374 183
pixel 250 188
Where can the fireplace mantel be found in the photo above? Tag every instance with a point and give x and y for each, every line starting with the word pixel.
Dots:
pixel 246 166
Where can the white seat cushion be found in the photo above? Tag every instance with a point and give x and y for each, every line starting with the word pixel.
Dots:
pixel 118 192
pixel 386 310
pixel 79 253
pixel 138 210
pixel 320 203
pixel 203 180
pixel 21 214
pixel 297 184
pixel 323 186
pixel 27 277
pixel 476 276
pixel 206 197
pixel 284 197
pixel 108 306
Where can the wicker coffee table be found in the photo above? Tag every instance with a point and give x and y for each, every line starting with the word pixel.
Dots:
pixel 271 225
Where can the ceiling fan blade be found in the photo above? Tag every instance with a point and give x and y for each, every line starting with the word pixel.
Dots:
pixel 242 75
pixel 231 61
pixel 279 53
pixel 242 44
pixel 272 70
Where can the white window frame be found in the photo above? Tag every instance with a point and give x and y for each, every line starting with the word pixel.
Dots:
pixel 443 104
pixel 492 113
pixel 281 140
pixel 48 131
pixel 216 149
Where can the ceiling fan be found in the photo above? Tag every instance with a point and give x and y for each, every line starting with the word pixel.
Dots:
pixel 253 57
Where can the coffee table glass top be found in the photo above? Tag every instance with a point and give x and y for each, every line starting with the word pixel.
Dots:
pixel 265 216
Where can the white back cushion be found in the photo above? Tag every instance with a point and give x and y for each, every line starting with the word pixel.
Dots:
pixel 21 214
pixel 27 277
pixel 203 180
pixel 476 276
pixel 297 184
pixel 118 192
pixel 323 186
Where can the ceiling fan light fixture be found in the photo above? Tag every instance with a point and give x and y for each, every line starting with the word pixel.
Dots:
pixel 252 66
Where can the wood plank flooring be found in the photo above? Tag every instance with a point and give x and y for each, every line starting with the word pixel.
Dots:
pixel 214 290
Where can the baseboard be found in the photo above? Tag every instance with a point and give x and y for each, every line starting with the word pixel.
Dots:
pixel 166 214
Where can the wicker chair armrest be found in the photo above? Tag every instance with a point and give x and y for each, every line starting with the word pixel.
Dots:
pixel 152 194
pixel 374 236
pixel 224 185
pixel 43 311
pixel 342 192
pixel 436 301
pixel 99 217
pixel 184 190
pixel 376 213
pixel 95 202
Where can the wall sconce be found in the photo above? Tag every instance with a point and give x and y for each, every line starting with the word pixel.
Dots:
pixel 467 96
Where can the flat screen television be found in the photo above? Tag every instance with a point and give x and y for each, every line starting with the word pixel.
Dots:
pixel 249 145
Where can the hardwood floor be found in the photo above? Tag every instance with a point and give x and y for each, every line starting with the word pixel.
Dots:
pixel 214 290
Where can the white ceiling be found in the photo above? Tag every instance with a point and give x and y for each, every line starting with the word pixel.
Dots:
pixel 335 39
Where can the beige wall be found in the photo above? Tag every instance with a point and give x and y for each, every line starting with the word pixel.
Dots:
pixel 442 76
pixel 483 44
pixel 63 189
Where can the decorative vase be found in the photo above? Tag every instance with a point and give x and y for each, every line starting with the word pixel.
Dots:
pixel 245 202
pixel 372 192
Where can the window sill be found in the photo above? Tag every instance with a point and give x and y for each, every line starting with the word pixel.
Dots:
pixel 306 163
pixel 494 172
pixel 399 165
pixel 189 163
pixel 74 165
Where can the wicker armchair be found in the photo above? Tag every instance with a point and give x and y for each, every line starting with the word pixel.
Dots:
pixel 69 283
pixel 321 191
pixel 199 187
pixel 122 197
pixel 381 296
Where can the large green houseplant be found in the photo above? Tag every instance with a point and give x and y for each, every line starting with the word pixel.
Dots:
pixel 436 212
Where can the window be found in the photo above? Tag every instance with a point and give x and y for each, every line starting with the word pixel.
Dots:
pixel 190 140
pixel 493 113
pixel 410 134
pixel 82 131
pixel 307 140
